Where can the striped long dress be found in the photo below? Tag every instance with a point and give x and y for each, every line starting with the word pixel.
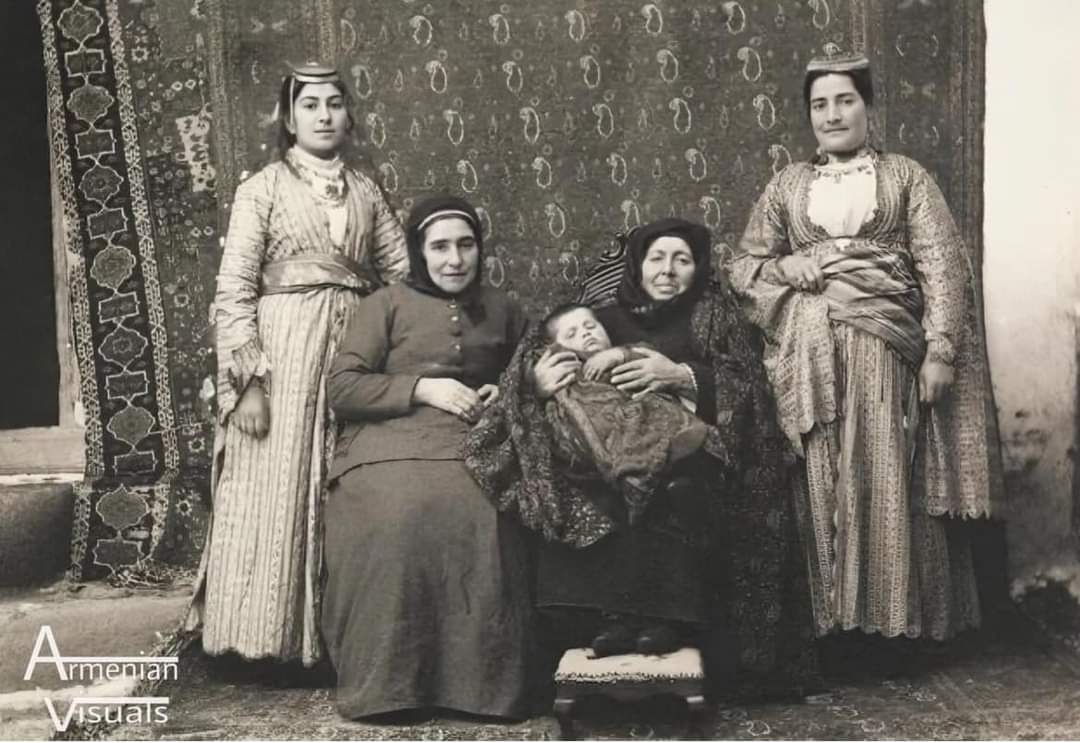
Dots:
pixel 259 580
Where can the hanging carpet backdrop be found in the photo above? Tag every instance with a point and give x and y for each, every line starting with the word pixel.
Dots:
pixel 130 130
pixel 563 121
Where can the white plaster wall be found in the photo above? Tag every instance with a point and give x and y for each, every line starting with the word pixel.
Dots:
pixel 1032 273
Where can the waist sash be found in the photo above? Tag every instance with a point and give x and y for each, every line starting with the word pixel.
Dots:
pixel 301 273
pixel 867 286
pixel 876 291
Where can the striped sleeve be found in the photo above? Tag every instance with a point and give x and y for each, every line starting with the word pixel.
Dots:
pixel 239 351
pixel 391 257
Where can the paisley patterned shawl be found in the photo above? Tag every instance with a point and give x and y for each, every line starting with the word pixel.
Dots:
pixel 631 441
pixel 512 451
pixel 510 455
pixel 871 288
pixel 910 241
pixel 876 290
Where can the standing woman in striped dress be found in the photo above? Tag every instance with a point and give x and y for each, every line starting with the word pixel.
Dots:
pixel 854 268
pixel 308 238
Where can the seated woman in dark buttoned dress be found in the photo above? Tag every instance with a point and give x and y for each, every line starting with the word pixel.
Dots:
pixel 426 598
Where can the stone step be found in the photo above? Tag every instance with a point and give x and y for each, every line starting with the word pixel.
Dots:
pixel 35 531
pixel 85 620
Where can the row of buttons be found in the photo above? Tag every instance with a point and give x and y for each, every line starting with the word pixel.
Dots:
pixel 455 329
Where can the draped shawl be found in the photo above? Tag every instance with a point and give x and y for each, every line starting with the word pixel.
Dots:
pixel 510 454
pixel 910 240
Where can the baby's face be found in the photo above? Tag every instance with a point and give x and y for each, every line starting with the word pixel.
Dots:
pixel 579 330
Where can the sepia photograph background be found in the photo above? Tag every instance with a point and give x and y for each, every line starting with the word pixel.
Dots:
pixel 131 122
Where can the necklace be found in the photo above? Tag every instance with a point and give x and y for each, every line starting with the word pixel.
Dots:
pixel 835 170
pixel 325 179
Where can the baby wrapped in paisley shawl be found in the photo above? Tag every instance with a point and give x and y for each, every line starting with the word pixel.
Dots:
pixel 631 440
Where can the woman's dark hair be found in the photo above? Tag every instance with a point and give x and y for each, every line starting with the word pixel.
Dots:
pixel 285 138
pixel 861 79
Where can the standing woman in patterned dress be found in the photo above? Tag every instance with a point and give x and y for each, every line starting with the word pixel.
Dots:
pixel 854 268
pixel 309 237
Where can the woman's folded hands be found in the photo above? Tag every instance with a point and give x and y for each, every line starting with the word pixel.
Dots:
pixel 455 398
pixel 450 396
pixel 652 372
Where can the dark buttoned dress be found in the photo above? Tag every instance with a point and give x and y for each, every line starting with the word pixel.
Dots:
pixel 426 600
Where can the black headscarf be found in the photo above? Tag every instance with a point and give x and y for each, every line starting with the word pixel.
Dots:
pixel 419 278
pixel 632 296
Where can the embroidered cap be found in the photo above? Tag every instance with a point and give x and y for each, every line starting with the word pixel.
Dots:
pixel 835 60
pixel 312 72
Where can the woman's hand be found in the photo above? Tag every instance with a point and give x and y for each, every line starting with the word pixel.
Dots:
pixel 655 372
pixel 802 273
pixel 450 396
pixel 252 413
pixel 935 379
pixel 602 361
pixel 554 371
pixel 488 393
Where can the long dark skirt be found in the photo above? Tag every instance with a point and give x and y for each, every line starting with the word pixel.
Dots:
pixel 658 569
pixel 426 599
pixel 636 572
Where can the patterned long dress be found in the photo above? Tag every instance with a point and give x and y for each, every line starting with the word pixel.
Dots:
pixel 882 473
pixel 297 262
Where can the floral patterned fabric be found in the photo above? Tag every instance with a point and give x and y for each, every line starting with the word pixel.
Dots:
pixel 633 443
pixel 510 454
pixel 963 476
pixel 878 468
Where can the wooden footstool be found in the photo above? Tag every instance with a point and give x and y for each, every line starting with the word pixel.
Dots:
pixel 628 678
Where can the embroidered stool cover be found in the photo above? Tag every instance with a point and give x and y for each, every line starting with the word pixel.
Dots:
pixel 627 677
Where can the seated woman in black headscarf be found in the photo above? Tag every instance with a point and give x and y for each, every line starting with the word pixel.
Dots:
pixel 426 600
pixel 653 585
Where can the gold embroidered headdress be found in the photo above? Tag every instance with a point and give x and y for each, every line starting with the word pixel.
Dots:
pixel 835 60
pixel 312 72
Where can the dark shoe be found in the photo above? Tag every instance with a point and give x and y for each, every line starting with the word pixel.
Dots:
pixel 615 640
pixel 658 640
